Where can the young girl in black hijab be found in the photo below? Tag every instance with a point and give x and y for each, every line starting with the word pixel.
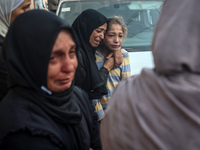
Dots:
pixel 43 109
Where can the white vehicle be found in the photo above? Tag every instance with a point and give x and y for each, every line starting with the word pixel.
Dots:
pixel 140 16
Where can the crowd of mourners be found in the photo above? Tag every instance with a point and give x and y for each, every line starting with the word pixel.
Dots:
pixel 74 90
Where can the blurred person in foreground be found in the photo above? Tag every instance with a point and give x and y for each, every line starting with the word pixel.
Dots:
pixel 116 31
pixel 159 108
pixel 43 109
pixel 9 10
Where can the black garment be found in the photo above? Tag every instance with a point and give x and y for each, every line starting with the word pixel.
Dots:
pixel 3 72
pixel 104 74
pixel 25 141
pixel 87 75
pixel 28 121
pixel 81 76
pixel 29 106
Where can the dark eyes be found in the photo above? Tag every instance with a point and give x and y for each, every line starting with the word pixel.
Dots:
pixel 51 58
pixel 62 55
pixel 98 31
pixel 26 7
pixel 72 51
pixel 111 35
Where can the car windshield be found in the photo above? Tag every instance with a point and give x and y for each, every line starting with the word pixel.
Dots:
pixel 139 15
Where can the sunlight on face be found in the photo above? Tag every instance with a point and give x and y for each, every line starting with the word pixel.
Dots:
pixel 97 35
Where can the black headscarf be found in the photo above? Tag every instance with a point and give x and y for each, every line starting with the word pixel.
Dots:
pixel 84 25
pixel 29 44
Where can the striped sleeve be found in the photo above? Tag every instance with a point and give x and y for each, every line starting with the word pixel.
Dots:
pixel 126 68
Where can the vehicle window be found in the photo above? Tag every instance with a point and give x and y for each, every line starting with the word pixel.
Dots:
pixel 69 10
pixel 140 17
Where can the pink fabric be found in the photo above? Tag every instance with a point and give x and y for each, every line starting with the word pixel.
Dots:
pixel 159 109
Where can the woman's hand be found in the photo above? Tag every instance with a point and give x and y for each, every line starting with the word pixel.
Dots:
pixel 118 57
pixel 109 62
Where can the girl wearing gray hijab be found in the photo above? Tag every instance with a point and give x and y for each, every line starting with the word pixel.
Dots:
pixel 159 109
pixel 9 9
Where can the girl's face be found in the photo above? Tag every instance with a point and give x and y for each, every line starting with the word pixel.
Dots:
pixel 97 35
pixel 25 6
pixel 63 63
pixel 114 37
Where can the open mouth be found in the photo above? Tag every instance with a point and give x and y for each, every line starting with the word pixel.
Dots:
pixel 97 42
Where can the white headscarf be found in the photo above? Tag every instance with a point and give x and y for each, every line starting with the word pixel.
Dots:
pixel 6 8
